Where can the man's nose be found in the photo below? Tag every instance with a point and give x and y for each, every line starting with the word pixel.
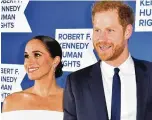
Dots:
pixel 102 36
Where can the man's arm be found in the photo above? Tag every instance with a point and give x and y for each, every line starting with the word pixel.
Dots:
pixel 69 107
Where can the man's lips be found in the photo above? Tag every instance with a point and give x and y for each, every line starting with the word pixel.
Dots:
pixel 104 47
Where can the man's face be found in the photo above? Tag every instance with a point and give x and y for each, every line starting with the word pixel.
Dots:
pixel 108 35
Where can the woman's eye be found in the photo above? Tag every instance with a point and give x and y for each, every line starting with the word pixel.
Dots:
pixel 26 56
pixel 37 55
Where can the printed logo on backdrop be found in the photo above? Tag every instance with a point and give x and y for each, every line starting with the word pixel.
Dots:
pixel 77 48
pixel 143 15
pixel 12 16
pixel 11 78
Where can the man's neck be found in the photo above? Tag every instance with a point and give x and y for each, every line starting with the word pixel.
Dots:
pixel 119 60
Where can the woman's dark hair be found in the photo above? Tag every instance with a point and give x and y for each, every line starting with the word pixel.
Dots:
pixel 54 49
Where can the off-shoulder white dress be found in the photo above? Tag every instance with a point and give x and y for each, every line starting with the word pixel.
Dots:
pixel 32 115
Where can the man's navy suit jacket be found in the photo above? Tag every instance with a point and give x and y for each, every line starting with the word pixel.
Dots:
pixel 84 97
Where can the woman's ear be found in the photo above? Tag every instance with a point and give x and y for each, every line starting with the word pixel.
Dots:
pixel 56 61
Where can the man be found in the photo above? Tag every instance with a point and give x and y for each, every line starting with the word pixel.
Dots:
pixel 119 87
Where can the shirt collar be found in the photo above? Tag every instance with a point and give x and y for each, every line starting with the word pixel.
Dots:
pixel 126 67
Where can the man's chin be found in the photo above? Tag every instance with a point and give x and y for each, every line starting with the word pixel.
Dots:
pixel 105 58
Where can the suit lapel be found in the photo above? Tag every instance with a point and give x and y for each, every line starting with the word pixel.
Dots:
pixel 142 79
pixel 97 92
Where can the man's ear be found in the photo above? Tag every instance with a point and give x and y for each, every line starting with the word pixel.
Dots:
pixel 128 31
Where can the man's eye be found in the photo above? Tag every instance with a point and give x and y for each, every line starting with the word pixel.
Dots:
pixel 110 30
pixel 96 30
pixel 37 55
pixel 26 56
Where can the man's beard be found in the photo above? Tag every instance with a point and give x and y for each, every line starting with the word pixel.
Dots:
pixel 114 53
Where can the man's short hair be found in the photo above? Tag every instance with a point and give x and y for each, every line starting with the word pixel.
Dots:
pixel 125 12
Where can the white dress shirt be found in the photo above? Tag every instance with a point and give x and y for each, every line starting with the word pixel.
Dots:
pixel 128 88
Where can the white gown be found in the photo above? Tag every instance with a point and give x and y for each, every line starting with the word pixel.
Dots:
pixel 32 115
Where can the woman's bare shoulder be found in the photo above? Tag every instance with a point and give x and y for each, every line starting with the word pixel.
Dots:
pixel 13 100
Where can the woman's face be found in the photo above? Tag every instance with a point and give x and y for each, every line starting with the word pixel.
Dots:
pixel 37 60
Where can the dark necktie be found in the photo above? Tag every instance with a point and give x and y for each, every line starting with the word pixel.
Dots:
pixel 116 96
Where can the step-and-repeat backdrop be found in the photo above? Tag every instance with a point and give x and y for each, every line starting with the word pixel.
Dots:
pixel 70 24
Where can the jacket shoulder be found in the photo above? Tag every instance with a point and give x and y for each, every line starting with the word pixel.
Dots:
pixel 82 73
pixel 146 65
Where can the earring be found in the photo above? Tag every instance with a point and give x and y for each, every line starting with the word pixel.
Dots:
pixel 54 66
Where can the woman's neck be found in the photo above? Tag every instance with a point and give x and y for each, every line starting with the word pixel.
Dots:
pixel 46 86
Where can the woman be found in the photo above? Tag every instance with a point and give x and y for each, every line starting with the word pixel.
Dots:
pixel 42 64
